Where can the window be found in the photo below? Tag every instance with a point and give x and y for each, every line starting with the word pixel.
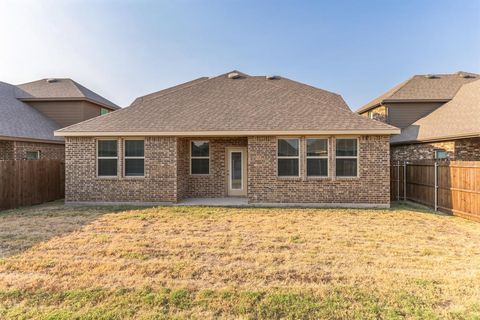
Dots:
pixel 370 114
pixel 33 155
pixel 346 157
pixel 317 157
pixel 200 157
pixel 288 157
pixel 107 158
pixel 440 154
pixel 134 158
pixel 103 111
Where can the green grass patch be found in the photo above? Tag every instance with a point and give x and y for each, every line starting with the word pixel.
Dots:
pixel 338 303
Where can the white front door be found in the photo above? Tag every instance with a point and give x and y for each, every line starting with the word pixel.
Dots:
pixel 237 171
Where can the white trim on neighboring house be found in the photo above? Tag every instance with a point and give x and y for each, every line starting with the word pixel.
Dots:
pixel 289 157
pixel 97 157
pixel 196 157
pixel 369 132
pixel 20 139
pixel 348 157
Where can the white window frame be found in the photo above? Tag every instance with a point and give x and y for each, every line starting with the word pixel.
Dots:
pixel 98 158
pixel 435 154
pixel 197 157
pixel 317 157
pixel 290 157
pixel 357 157
pixel 36 151
pixel 130 157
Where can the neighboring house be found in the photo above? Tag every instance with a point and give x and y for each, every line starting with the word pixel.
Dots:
pixel 439 117
pixel 31 112
pixel 269 139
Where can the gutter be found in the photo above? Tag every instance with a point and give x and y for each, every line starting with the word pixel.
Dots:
pixel 225 133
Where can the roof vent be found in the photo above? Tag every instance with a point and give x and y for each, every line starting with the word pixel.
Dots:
pixel 52 80
pixel 272 77
pixel 467 75
pixel 431 76
pixel 233 75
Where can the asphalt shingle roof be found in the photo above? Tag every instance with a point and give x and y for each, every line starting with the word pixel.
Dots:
pixel 460 117
pixel 20 120
pixel 248 103
pixel 442 87
pixel 60 89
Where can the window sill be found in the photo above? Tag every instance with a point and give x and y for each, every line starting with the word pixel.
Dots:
pixel 108 177
pixel 200 175
pixel 348 178
pixel 289 178
pixel 318 178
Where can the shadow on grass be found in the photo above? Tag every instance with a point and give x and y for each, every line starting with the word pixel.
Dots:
pixel 23 228
pixel 416 207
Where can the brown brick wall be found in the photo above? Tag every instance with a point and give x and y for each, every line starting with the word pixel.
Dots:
pixel 158 185
pixel 6 150
pixel 214 184
pixel 379 113
pixel 167 174
pixel 17 150
pixel 47 150
pixel 462 149
pixel 371 187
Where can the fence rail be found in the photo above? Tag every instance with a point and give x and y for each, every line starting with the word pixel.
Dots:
pixel 452 187
pixel 28 182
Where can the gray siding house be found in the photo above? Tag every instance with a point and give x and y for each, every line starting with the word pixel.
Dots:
pixel 32 111
pixel 439 117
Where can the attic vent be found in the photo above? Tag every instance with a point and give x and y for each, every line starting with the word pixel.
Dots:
pixel 467 76
pixel 272 77
pixel 431 76
pixel 52 80
pixel 233 75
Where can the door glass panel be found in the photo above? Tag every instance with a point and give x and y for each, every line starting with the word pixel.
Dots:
pixel 236 170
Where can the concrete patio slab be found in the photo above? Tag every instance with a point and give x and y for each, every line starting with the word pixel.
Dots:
pixel 215 202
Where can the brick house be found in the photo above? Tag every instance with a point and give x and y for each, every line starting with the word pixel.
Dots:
pixel 267 139
pixel 439 117
pixel 31 112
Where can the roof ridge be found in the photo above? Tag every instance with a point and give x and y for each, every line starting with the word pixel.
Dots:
pixel 180 86
pixel 183 85
pixel 384 96
pixel 307 96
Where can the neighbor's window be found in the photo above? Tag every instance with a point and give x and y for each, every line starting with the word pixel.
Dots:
pixel 107 158
pixel 440 154
pixel 33 155
pixel 200 157
pixel 288 157
pixel 317 157
pixel 103 111
pixel 346 157
pixel 134 158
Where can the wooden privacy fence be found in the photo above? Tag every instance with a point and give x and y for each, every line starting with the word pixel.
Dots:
pixel 28 182
pixel 449 186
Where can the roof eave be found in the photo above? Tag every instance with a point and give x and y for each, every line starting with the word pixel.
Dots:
pixel 104 105
pixel 387 131
pixel 27 139
pixel 437 139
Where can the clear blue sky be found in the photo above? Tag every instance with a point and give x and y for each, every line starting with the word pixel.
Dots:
pixel 124 49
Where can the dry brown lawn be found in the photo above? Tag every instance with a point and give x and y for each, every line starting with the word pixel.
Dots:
pixel 60 262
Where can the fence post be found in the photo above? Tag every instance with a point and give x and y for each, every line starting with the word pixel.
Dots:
pixel 398 180
pixel 404 180
pixel 436 185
